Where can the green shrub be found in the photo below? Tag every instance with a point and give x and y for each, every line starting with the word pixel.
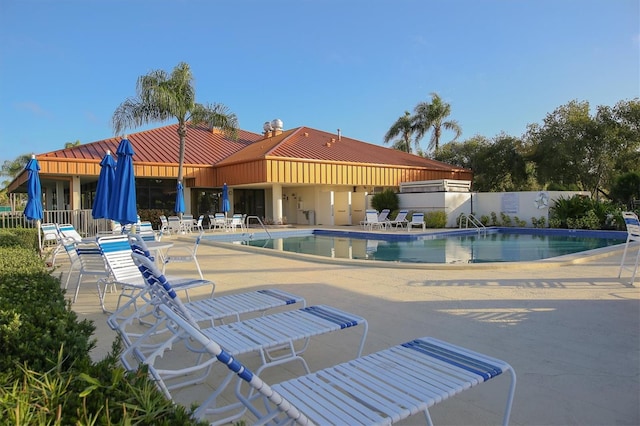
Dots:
pixel 580 212
pixel 386 199
pixel 435 219
pixel 46 374
pixel 22 237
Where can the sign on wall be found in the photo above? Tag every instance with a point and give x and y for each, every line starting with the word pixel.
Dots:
pixel 510 202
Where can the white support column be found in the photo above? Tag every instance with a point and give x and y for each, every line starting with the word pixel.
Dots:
pixel 276 202
pixel 74 193
pixel 58 204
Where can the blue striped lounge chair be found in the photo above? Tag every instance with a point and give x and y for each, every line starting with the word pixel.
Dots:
pixel 277 339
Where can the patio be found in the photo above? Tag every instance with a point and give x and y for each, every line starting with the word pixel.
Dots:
pixel 570 332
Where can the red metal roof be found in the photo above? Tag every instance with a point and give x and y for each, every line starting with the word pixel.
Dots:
pixel 312 144
pixel 161 145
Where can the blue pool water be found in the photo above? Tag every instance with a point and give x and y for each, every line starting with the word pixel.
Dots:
pixel 496 245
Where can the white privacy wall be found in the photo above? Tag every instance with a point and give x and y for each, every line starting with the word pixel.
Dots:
pixel 524 205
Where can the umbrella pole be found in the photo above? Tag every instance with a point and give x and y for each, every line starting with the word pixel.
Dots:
pixel 39 237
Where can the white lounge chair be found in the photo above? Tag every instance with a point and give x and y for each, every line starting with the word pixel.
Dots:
pixel 633 235
pixel 69 231
pixel 198 223
pixel 417 219
pixel 52 239
pixel 117 251
pixel 384 215
pixel 371 221
pixel 381 388
pixel 400 221
pixel 175 361
pixel 90 263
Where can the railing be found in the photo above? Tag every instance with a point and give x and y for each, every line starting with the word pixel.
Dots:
pixel 467 219
pixel 82 220
pixel 260 222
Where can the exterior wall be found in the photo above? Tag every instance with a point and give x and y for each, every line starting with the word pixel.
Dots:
pixel 520 204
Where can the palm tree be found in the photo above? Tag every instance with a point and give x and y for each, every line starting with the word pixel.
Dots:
pixel 403 127
pixel 432 116
pixel 162 96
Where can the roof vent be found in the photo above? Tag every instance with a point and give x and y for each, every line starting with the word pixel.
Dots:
pixel 277 124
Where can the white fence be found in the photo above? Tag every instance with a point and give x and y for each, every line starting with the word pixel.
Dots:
pixel 81 220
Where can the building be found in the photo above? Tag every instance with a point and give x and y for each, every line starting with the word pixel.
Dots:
pixel 298 176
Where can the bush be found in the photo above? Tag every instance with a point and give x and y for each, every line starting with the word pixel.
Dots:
pixel 435 219
pixel 580 212
pixel 46 374
pixel 19 237
pixel 386 199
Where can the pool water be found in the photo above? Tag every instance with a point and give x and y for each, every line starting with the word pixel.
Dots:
pixel 447 248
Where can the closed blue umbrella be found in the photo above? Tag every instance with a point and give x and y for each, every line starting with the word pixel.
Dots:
pixel 179 208
pixel 226 206
pixel 123 195
pixel 33 209
pixel 101 202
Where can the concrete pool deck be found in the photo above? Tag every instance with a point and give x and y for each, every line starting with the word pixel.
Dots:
pixel 571 330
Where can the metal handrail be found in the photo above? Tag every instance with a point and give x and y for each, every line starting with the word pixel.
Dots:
pixel 474 221
pixel 260 222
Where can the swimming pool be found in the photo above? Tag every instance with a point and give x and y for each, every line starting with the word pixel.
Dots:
pixel 446 247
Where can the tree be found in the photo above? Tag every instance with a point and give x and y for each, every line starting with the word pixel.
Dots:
pixel 162 96
pixel 402 128
pixel 573 149
pixel 72 144
pixel 433 116
pixel 12 168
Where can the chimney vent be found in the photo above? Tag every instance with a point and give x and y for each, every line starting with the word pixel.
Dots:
pixel 339 135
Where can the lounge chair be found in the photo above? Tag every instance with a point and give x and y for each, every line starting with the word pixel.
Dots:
pixel 417 219
pixel 117 251
pixel 633 235
pixel 384 215
pixel 371 221
pixel 67 230
pixel 400 221
pixel 184 254
pixel 52 238
pixel 187 223
pixel 90 263
pixel 381 388
pixel 175 362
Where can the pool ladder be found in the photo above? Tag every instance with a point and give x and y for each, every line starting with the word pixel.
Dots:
pixel 467 219
pixel 260 222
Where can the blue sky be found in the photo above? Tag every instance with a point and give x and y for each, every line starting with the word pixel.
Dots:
pixel 354 65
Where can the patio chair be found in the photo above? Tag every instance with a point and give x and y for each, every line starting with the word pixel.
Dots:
pixel 381 388
pixel 69 245
pixel 371 221
pixel 278 338
pixel 164 225
pixel 117 251
pixel 400 221
pixel 237 221
pixel 174 225
pixel 198 224
pixel 217 221
pixel 633 235
pixel 417 219
pixel 187 223
pixel 184 254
